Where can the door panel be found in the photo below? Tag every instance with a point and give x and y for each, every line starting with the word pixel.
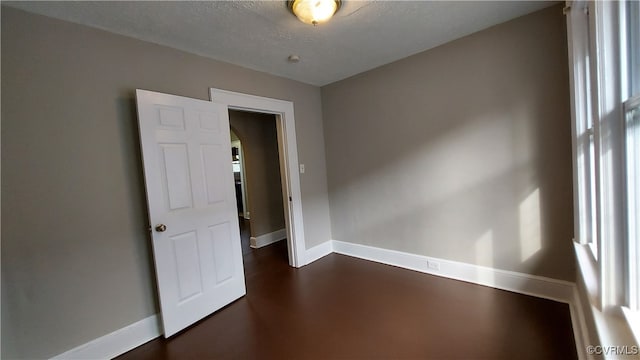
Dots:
pixel 185 249
pixel 186 152
pixel 175 161
pixel 212 159
pixel 222 245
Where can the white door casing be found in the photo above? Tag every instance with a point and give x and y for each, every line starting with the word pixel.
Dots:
pixel 287 147
pixel 186 150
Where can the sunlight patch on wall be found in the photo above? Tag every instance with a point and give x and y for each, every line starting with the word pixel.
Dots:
pixel 530 232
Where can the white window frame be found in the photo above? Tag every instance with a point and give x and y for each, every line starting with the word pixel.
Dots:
pixel 611 272
pixel 632 142
pixel 632 150
pixel 611 247
pixel 584 127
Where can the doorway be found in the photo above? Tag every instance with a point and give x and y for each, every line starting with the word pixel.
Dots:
pixel 256 163
pixel 288 154
pixel 185 175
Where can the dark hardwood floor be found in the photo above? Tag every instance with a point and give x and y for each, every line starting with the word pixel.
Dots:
pixel 345 308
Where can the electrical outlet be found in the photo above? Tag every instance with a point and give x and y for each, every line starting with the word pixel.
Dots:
pixel 433 265
pixel 301 168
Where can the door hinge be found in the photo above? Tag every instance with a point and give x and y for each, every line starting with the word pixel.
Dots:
pixel 290 199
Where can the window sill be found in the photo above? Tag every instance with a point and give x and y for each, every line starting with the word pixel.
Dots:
pixel 614 326
pixel 633 319
pixel 588 268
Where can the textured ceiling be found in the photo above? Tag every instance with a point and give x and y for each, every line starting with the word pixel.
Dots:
pixel 261 34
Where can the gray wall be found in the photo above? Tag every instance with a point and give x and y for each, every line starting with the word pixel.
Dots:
pixel 75 251
pixel 257 133
pixel 462 152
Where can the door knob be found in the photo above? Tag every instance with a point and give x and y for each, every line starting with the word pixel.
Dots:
pixel 161 228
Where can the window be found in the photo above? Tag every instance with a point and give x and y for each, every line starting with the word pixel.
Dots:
pixel 584 127
pixel 632 151
pixel 604 48
pixel 632 124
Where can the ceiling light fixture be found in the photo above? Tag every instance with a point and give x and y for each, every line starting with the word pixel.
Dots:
pixel 314 12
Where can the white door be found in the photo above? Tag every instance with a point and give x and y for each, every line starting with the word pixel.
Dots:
pixel 186 151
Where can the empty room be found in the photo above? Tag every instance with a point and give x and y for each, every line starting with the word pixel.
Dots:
pixel 320 179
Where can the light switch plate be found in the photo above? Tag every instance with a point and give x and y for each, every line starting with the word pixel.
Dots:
pixel 301 168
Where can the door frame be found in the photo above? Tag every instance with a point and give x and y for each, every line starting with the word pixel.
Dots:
pixel 291 193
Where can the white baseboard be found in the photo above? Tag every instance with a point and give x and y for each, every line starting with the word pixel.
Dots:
pixel 579 324
pixel 117 342
pixel 501 279
pixel 318 251
pixel 267 239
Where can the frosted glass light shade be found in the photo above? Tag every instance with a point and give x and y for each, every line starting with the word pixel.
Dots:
pixel 314 12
